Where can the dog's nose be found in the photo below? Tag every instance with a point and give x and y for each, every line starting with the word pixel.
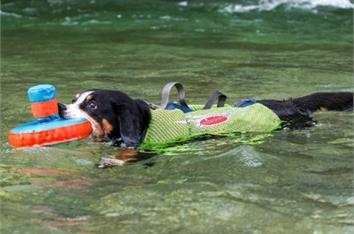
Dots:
pixel 61 108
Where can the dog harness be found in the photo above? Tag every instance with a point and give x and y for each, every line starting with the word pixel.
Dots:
pixel 172 123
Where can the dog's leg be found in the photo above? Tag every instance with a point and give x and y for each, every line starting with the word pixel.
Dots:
pixel 287 111
pixel 123 156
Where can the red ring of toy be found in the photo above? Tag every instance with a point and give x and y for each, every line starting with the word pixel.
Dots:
pixel 50 137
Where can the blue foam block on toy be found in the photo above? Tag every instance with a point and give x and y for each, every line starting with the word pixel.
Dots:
pixel 41 93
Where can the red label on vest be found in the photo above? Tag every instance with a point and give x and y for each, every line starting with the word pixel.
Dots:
pixel 212 120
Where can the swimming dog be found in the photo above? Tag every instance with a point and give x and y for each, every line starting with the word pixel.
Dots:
pixel 123 121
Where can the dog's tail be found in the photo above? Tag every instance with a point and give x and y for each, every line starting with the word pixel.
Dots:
pixel 325 101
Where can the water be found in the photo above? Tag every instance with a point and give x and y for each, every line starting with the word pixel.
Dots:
pixel 286 182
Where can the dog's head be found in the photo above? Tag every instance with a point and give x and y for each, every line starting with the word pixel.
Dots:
pixel 114 116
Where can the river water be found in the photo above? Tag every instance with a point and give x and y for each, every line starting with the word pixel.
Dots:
pixel 297 181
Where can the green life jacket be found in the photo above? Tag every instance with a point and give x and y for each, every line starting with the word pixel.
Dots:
pixel 169 126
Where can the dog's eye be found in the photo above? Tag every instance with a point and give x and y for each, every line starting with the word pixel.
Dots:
pixel 92 106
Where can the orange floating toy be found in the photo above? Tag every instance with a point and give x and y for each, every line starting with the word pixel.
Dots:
pixel 48 128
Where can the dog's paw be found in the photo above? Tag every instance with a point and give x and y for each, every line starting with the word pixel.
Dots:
pixel 106 162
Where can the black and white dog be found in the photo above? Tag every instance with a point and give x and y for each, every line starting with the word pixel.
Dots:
pixel 116 117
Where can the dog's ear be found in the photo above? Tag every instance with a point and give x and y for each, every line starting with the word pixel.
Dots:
pixel 128 117
pixel 130 129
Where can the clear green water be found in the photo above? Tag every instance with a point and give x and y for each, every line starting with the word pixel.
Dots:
pixel 287 182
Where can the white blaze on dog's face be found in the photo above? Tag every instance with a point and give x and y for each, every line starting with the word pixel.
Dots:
pixel 73 110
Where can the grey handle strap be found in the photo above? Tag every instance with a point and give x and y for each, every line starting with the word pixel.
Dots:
pixel 166 94
pixel 215 96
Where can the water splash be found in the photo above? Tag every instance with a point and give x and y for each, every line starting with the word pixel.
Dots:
pixel 10 14
pixel 268 5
